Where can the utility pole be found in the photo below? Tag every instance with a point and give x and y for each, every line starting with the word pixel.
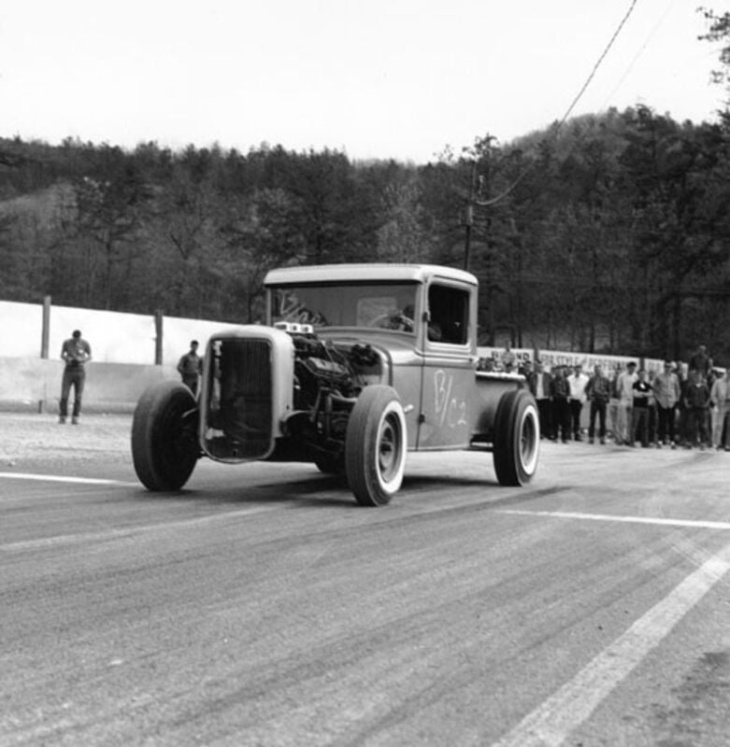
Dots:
pixel 469 214
pixel 517 243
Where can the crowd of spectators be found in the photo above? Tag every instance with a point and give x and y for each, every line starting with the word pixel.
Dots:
pixel 682 405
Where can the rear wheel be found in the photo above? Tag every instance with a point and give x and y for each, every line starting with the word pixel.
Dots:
pixel 164 436
pixel 516 438
pixel 375 446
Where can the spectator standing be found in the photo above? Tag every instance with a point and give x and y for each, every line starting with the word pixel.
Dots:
pixel 697 400
pixel 726 425
pixel 524 367
pixel 625 395
pixel 190 366
pixel 560 393
pixel 652 424
pixel 76 353
pixel 509 359
pixel 667 394
pixel 540 384
pixel 598 391
pixel 613 402
pixel 701 362
pixel 720 401
pixel 577 382
pixel 683 375
pixel 640 411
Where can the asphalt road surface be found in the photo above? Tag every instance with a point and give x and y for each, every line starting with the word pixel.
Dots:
pixel 262 606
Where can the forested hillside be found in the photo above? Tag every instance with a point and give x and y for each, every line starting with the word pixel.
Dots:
pixel 609 234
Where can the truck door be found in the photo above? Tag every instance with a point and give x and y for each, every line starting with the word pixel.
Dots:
pixel 449 367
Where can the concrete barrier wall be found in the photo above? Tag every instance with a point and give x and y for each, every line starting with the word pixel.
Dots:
pixel 33 383
pixel 115 337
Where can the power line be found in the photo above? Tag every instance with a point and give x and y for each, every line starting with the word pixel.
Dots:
pixel 598 63
pixel 520 177
pixel 642 49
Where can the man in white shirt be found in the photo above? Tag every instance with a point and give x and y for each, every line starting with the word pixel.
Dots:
pixel 577 382
pixel 667 393
pixel 720 401
pixel 625 394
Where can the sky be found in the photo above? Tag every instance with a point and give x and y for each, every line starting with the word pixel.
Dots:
pixel 375 79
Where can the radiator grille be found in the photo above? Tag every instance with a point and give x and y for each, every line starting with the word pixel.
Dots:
pixel 240 413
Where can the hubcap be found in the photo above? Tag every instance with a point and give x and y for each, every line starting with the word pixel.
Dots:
pixel 528 440
pixel 388 450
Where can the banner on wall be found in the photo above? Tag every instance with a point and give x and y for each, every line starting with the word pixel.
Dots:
pixel 554 358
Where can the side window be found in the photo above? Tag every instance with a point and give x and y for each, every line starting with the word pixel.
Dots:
pixel 449 314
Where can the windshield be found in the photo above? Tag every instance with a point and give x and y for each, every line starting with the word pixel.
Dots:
pixel 384 305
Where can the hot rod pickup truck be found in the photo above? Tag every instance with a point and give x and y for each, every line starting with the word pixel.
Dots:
pixel 355 366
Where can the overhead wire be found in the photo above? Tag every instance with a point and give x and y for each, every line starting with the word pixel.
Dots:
pixel 642 49
pixel 556 129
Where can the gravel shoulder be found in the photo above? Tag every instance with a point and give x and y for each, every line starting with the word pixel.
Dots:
pixel 30 437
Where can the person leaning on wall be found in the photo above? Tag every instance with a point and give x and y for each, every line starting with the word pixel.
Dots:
pixel 76 352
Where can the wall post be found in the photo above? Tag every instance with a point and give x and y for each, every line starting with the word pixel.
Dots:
pixel 158 337
pixel 46 327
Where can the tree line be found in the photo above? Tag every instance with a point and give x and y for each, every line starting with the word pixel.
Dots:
pixel 609 233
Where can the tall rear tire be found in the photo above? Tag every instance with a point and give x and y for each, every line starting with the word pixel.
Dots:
pixel 164 436
pixel 516 438
pixel 375 446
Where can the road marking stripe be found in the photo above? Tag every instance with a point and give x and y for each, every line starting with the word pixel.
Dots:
pixel 130 532
pixel 550 723
pixel 61 478
pixel 624 519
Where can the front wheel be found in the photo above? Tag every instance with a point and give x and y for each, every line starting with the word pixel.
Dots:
pixel 375 446
pixel 516 438
pixel 164 436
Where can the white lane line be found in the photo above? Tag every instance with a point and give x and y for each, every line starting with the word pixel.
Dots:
pixel 61 478
pixel 625 519
pixel 550 724
pixel 130 532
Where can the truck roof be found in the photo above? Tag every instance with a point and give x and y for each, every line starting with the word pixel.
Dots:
pixel 373 271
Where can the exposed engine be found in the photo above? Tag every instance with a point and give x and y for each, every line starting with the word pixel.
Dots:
pixel 322 368
pixel 327 381
pixel 303 410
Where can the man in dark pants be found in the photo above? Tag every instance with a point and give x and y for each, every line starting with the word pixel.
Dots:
pixel 560 392
pixel 640 411
pixel 598 391
pixel 577 384
pixel 697 401
pixel 667 393
pixel 190 366
pixel 76 353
